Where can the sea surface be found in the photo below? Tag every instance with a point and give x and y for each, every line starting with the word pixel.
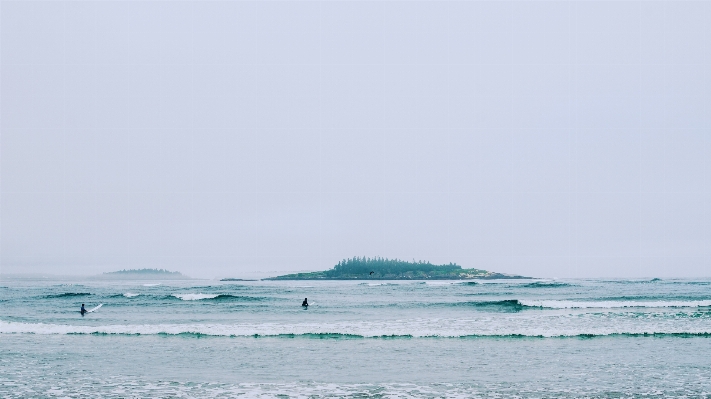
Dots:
pixel 371 339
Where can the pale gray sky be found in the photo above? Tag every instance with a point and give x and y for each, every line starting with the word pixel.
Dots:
pixel 545 138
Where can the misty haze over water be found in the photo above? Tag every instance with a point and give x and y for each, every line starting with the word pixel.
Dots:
pixel 560 139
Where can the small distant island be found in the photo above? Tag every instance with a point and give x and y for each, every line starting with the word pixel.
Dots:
pixel 394 269
pixel 144 274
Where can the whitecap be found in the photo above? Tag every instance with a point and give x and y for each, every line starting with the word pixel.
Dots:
pixel 195 297
pixel 151 285
pixel 130 295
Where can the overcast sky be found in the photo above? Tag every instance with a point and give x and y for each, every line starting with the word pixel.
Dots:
pixel 245 139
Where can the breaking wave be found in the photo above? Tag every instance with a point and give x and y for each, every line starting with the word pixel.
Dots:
pixel 506 304
pixel 349 330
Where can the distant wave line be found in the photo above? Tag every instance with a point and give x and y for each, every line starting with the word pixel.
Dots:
pixel 66 295
pixel 545 284
pixel 566 304
pixel 563 304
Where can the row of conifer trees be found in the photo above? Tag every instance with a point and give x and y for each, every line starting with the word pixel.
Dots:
pixel 383 266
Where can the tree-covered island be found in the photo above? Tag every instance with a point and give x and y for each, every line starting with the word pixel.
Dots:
pixel 143 274
pixel 394 269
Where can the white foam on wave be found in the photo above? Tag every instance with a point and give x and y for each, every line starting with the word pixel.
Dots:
pixel 151 285
pixel 536 326
pixel 195 297
pixel 122 387
pixel 388 283
pixel 130 295
pixel 556 304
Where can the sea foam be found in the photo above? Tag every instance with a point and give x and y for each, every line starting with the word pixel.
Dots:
pixel 195 297
pixel 544 326
pixel 559 304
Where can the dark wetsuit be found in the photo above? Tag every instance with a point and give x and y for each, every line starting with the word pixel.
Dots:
pixel 305 303
pixel 83 310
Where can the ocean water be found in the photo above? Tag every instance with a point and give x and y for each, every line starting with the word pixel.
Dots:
pixel 372 339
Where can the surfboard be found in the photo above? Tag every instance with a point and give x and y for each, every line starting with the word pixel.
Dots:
pixel 95 309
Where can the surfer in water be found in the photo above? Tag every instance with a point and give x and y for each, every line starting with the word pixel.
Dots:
pixel 83 310
pixel 305 303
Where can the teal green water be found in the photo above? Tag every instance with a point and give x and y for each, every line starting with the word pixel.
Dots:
pixel 400 339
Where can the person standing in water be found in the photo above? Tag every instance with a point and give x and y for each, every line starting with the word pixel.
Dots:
pixel 305 303
pixel 82 310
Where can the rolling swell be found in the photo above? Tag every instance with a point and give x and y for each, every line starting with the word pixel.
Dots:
pixel 517 305
pixel 67 295
pixel 228 297
pixel 683 282
pixel 604 304
pixel 545 284
pixel 511 305
pixel 506 305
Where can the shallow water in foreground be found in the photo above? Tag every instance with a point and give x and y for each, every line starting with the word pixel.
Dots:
pixel 573 338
